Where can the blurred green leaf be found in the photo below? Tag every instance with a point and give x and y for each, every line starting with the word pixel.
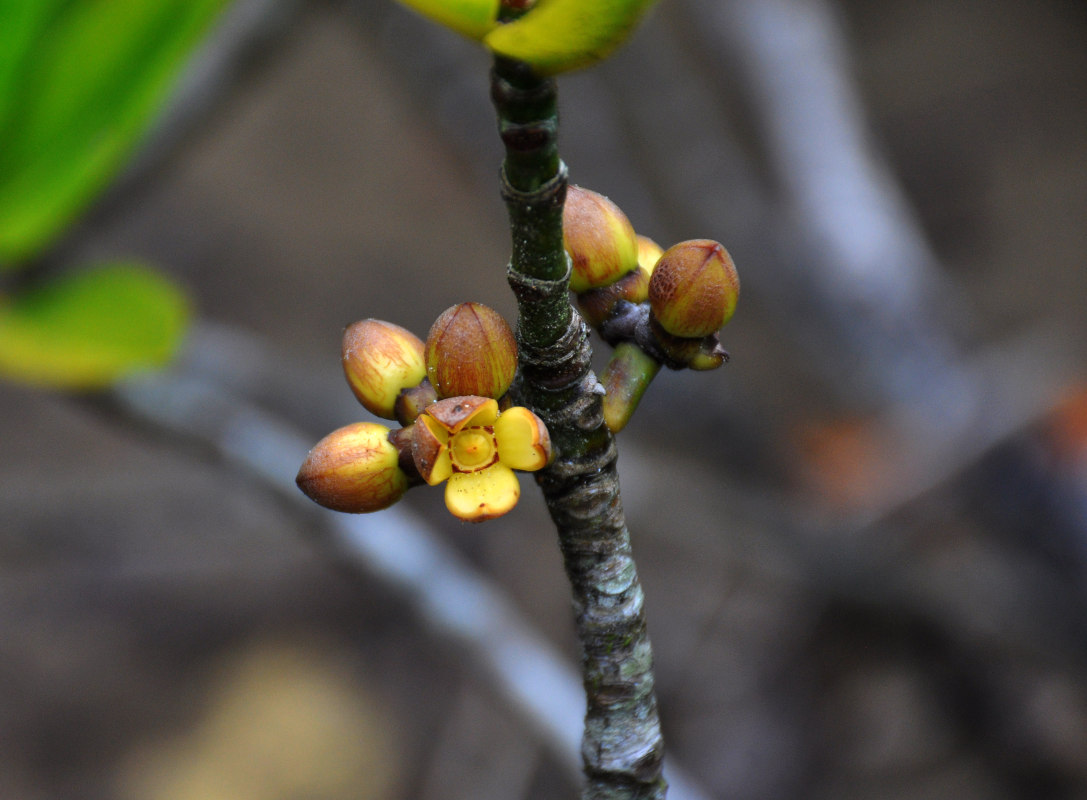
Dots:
pixel 560 35
pixel 89 328
pixel 80 84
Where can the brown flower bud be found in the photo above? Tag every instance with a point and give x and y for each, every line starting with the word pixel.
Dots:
pixel 354 469
pixel 411 402
pixel 599 238
pixel 694 288
pixel 470 350
pixel 380 360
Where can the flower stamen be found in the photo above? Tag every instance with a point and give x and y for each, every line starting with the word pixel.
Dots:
pixel 473 449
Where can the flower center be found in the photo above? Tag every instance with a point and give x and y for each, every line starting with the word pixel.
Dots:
pixel 473 449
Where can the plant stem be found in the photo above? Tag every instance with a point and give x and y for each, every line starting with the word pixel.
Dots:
pixel 626 377
pixel 622 748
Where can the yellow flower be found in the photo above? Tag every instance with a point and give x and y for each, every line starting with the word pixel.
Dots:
pixel 466 441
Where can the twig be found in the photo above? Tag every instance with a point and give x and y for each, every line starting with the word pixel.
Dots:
pixel 622 748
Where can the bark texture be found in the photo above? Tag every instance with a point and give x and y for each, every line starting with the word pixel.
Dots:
pixel 622 747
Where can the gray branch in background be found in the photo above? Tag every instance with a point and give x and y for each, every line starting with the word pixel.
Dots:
pixel 861 264
pixel 208 398
pixel 455 601
pixel 827 237
pixel 862 261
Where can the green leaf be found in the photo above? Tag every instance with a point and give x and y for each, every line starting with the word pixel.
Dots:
pixel 81 82
pixel 561 35
pixel 20 23
pixel 86 329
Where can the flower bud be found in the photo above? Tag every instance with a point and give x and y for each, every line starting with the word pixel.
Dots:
pixel 649 252
pixel 411 402
pixel 694 288
pixel 710 355
pixel 599 238
pixel 354 469
pixel 561 35
pixel 470 350
pixel 380 360
pixel 598 305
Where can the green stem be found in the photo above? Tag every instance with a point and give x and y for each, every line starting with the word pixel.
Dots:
pixel 626 377
pixel 622 747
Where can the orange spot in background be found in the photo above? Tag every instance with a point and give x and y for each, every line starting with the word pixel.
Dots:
pixel 842 462
pixel 1065 429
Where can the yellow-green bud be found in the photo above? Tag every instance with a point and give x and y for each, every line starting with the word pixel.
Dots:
pixel 470 350
pixel 560 35
pixel 649 252
pixel 380 360
pixel 694 288
pixel 599 238
pixel 354 469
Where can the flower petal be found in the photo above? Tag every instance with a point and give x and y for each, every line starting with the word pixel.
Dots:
pixel 429 450
pixel 455 413
pixel 442 469
pixel 523 440
pixel 486 415
pixel 437 430
pixel 476 496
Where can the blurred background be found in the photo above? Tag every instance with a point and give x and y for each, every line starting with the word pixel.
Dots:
pixel 863 542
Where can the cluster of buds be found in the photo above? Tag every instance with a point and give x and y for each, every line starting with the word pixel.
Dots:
pixel 655 307
pixel 448 394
